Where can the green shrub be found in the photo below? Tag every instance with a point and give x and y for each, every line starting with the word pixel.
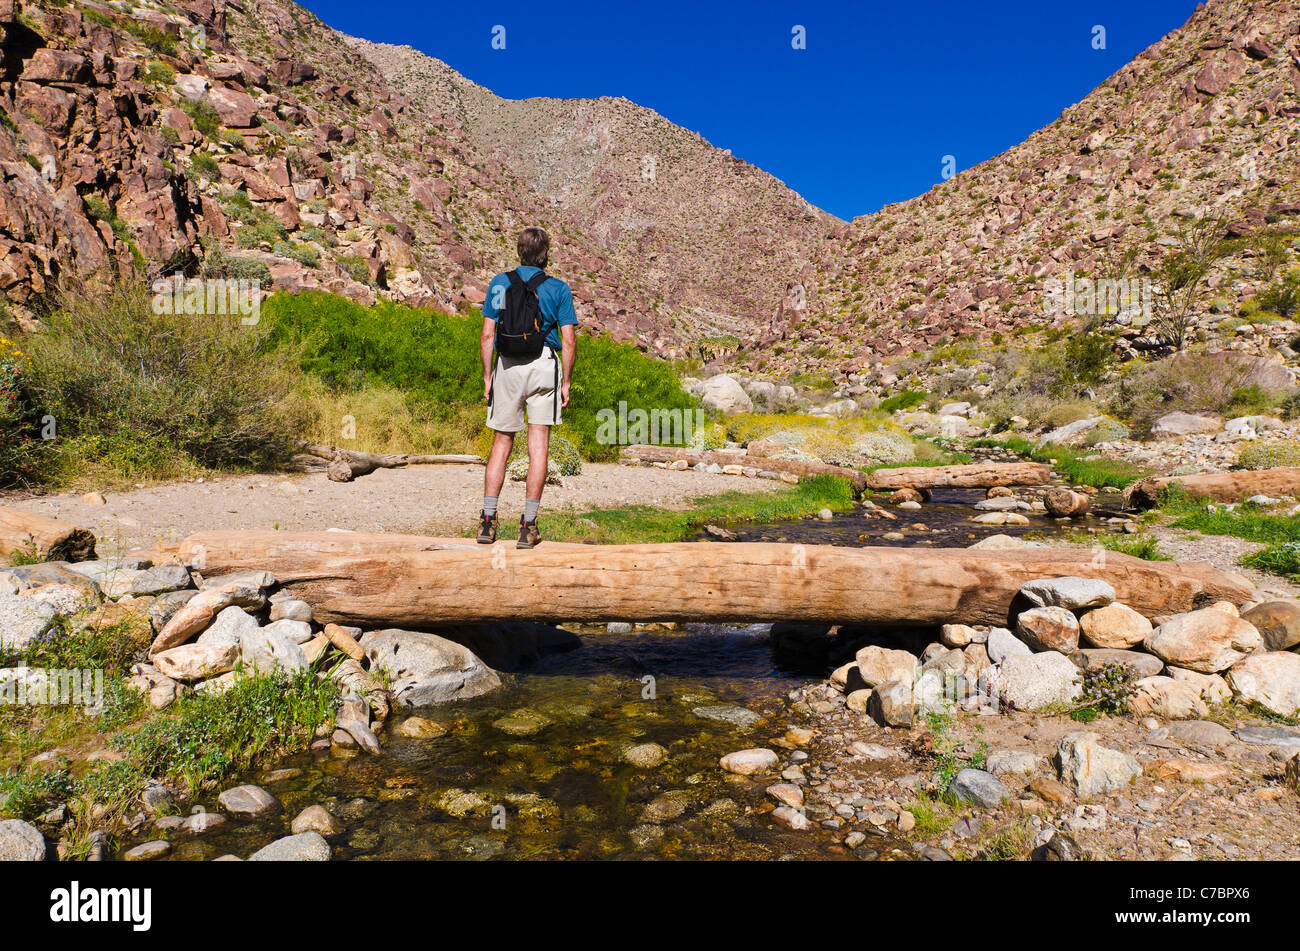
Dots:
pixel 1109 429
pixel 301 253
pixel 114 374
pixel 354 265
pixel 904 400
pixel 158 73
pixel 435 358
pixel 1108 690
pixel 205 165
pixel 563 460
pixel 203 116
pixel 1283 298
pixel 1194 382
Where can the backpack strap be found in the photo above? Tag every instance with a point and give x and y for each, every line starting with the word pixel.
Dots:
pixel 537 280
pixel 514 278
pixel 555 411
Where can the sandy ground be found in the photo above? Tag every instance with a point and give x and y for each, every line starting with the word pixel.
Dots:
pixel 1223 552
pixel 432 500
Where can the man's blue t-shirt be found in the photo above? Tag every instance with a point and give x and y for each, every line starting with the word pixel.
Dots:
pixel 554 297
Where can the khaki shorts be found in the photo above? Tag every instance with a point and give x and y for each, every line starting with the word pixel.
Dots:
pixel 520 382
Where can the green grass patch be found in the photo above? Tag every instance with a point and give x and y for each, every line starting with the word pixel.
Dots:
pixel 200 740
pixel 205 737
pixel 933 816
pixel 645 523
pixel 1143 546
pixel 1080 470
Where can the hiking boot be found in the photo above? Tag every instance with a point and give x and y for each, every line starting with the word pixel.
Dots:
pixel 529 536
pixel 487 529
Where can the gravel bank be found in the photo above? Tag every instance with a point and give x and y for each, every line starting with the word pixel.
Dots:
pixel 434 500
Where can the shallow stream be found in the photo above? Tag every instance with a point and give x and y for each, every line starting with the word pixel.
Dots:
pixel 535 770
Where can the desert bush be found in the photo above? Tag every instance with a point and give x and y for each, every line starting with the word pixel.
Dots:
pixel 710 437
pixel 1283 298
pixel 908 399
pixel 841 442
pixel 1192 382
pixel 20 419
pixel 1109 429
pixel 1267 455
pixel 122 381
pixel 563 460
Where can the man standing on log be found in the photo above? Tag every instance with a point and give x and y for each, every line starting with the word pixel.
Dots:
pixel 528 343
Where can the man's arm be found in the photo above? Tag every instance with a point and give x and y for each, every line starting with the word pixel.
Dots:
pixel 486 344
pixel 568 351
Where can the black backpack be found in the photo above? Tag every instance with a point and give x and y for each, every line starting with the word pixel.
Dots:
pixel 521 330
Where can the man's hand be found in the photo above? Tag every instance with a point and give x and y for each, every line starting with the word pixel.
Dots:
pixel 487 388
pixel 564 395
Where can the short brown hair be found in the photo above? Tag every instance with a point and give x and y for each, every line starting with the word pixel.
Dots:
pixel 534 247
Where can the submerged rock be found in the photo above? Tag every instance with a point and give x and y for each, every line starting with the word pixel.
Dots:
pixel 249 802
pixel 728 713
pixel 750 762
pixel 303 847
pixel 646 755
pixel 427 669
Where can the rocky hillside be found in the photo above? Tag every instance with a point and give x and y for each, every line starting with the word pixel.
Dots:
pixel 249 140
pixel 716 238
pixel 1202 123
pixel 245 137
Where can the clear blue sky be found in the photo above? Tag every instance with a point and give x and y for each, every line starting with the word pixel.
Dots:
pixel 860 118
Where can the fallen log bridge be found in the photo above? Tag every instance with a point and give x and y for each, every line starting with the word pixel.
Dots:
pixel 979 475
pixel 1219 486
pixel 417 581
pixel 42 537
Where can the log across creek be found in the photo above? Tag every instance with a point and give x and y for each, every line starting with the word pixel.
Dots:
pixel 976 475
pixel 417 581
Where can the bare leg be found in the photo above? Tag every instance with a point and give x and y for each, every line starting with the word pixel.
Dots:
pixel 495 475
pixel 539 444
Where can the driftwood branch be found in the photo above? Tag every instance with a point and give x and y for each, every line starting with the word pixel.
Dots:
pixel 346 464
